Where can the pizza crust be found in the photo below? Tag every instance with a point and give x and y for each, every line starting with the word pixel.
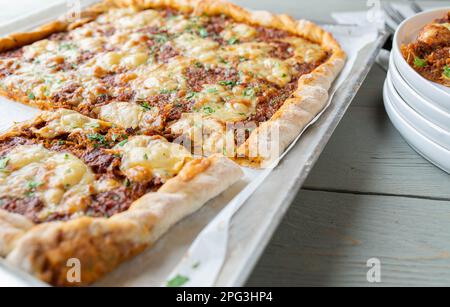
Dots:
pixel 101 244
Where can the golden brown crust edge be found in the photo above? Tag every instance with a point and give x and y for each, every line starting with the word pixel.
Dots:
pixel 102 244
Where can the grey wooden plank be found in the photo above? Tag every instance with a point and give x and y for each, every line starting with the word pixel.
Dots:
pixel 367 154
pixel 326 239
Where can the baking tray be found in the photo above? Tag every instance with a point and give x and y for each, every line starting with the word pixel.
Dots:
pixel 254 224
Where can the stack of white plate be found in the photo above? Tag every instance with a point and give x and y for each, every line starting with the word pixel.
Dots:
pixel 418 108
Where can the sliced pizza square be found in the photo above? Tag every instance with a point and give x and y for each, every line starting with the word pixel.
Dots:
pixel 76 187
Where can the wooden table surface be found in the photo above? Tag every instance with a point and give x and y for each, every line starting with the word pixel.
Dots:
pixel 369 196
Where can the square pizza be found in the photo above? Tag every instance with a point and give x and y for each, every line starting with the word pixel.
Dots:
pixel 76 187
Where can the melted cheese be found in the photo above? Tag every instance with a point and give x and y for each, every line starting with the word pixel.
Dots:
pixel 162 78
pixel 196 47
pixel 239 31
pixel 206 134
pixel 142 19
pixel 248 50
pixel 306 51
pixel 224 104
pixel 124 114
pixel 271 69
pixel 145 157
pixel 60 180
pixel 66 121
pixel 38 48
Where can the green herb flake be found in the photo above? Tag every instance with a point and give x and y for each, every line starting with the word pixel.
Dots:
pixel 233 41
pixel 208 110
pixel 4 162
pixel 447 71
pixel 212 90
pixel 98 138
pixel 222 60
pixel 228 83
pixel 203 33
pixel 191 95
pixel 145 157
pixel 67 46
pixel 177 281
pixel 418 62
pixel 31 96
pixel 66 156
pixel 146 106
pixel 121 144
pixel 127 183
pixel 161 38
pixel 249 92
pixel 32 185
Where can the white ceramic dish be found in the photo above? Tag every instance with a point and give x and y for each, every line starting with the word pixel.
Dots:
pixel 427 109
pixel 427 128
pixel 406 33
pixel 431 151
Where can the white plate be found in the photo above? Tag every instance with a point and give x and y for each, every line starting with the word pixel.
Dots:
pixel 431 151
pixel 427 128
pixel 426 108
pixel 406 33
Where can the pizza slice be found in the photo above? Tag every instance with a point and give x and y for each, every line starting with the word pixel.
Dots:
pixel 242 80
pixel 76 187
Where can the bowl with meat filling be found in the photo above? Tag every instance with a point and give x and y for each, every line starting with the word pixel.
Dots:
pixel 422 55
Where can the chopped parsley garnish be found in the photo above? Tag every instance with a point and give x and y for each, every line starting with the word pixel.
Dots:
pixel 212 90
pixel 447 71
pixel 222 60
pixel 146 106
pixel 127 183
pixel 67 46
pixel 32 185
pixel 31 96
pixel 203 33
pixel 177 281
pixel 418 62
pixel 161 38
pixel 121 144
pixel 199 65
pixel 249 92
pixel 4 162
pixel 233 41
pixel 145 157
pixel 98 138
pixel 66 156
pixel 208 110
pixel 191 95
pixel 228 83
